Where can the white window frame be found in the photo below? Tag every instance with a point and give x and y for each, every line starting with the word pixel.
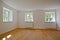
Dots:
pixel 10 14
pixel 51 13
pixel 31 13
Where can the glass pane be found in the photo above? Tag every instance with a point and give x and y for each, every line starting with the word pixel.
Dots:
pixel 29 17
pixel 46 17
pixel 5 15
pixel 50 16
pixel 10 16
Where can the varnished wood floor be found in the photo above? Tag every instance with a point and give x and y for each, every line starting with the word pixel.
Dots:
pixel 29 34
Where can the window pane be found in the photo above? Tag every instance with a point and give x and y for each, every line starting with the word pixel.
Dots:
pixel 50 16
pixel 46 17
pixel 10 16
pixel 7 15
pixel 28 17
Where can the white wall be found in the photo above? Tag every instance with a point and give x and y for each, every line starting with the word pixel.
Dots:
pixel 58 18
pixel 0 17
pixel 39 21
pixel 21 20
pixel 7 26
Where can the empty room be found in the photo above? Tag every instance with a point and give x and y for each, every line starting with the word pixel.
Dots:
pixel 29 19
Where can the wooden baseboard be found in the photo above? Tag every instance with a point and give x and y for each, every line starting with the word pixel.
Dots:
pixel 36 29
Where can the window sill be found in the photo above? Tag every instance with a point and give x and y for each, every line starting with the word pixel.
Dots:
pixel 49 22
pixel 28 22
pixel 8 22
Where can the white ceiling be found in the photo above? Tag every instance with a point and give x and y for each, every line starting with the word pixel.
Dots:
pixel 28 5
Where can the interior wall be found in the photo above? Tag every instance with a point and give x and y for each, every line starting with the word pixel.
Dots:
pixel 39 21
pixel 8 26
pixel 21 20
pixel 0 17
pixel 58 18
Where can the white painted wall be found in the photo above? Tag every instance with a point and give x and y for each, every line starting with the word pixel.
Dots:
pixel 39 21
pixel 29 5
pixel 0 17
pixel 58 18
pixel 7 26
pixel 21 20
